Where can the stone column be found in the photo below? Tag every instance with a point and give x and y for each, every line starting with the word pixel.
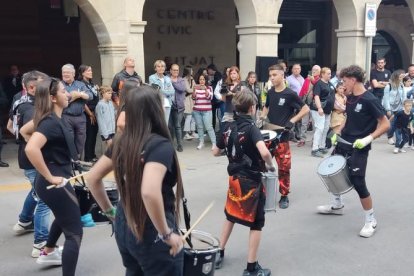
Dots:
pixel 351 47
pixel 136 45
pixel 256 40
pixel 112 58
pixel 412 56
pixel 352 43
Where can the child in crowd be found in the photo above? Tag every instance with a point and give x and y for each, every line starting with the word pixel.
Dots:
pixel 105 115
pixel 403 126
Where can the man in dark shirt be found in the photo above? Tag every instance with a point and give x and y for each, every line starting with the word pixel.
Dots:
pixel 128 73
pixel 35 213
pixel 380 78
pixel 280 107
pixel 74 115
pixel 366 120
pixel 13 83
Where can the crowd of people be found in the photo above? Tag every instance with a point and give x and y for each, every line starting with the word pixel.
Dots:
pixel 56 122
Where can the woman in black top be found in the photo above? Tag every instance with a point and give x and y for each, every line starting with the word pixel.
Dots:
pixel 321 109
pixel 49 153
pixel 146 171
pixel 85 75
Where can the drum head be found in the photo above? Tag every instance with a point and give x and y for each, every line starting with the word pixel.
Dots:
pixel 268 135
pixel 331 165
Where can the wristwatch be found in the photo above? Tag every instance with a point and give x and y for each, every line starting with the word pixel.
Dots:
pixel 165 237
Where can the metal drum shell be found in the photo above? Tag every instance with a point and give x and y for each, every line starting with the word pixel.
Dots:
pixel 337 181
pixel 201 262
pixel 270 183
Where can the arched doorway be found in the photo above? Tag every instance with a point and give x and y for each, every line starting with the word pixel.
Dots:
pixel 384 45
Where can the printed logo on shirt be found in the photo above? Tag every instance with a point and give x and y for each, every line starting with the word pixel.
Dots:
pixel 282 101
pixel 358 107
pixel 386 75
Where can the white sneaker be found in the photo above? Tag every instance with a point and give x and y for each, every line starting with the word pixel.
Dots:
pixel 330 210
pixel 195 135
pixel 402 150
pixel 412 147
pixel 369 229
pixel 396 150
pixel 188 137
pixel 53 258
pixel 21 228
pixel 406 146
pixel 37 248
pixel 200 145
pixel 391 141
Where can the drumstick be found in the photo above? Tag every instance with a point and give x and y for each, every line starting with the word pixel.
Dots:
pixel 68 180
pixel 198 220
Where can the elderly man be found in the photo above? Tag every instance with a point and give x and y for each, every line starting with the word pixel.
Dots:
pixel 295 82
pixel 74 115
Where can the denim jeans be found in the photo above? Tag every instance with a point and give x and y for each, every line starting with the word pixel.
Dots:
pixel 35 210
pixel 203 118
pixel 145 257
pixel 167 111
pixel 176 118
pixel 321 125
pixel 401 135
pixel 391 131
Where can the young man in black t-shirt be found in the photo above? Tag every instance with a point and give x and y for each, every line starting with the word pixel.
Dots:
pixel 280 107
pixel 246 152
pixel 380 78
pixel 366 120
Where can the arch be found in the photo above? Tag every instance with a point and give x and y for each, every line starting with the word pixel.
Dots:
pixel 96 21
pixel 347 14
pixel 390 50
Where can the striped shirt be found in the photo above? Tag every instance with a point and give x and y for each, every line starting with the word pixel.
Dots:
pixel 202 103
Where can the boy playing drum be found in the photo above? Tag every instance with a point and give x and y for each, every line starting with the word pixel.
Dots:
pixel 246 152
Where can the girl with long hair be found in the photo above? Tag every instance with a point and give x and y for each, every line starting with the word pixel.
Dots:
pixel 50 154
pixel 202 113
pixel 85 75
pixel 394 96
pixel 189 124
pixel 232 86
pixel 146 171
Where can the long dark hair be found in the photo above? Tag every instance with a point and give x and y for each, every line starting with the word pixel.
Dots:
pixel 83 68
pixel 143 117
pixel 43 103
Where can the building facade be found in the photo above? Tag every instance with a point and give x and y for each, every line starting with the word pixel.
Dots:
pixel 192 32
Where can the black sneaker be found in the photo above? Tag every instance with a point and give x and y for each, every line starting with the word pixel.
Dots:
pixel 283 202
pixel 179 148
pixel 259 271
pixel 324 150
pixel 3 164
pixel 317 153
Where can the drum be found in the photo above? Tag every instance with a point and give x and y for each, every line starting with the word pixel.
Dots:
pixel 200 260
pixel 270 183
pixel 334 174
pixel 88 204
pixel 270 139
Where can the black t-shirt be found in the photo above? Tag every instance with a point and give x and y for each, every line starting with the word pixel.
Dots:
pixel 160 150
pixel 55 150
pixel 248 135
pixel 282 105
pixel 380 76
pixel 402 119
pixel 326 93
pixel 362 113
pixel 25 113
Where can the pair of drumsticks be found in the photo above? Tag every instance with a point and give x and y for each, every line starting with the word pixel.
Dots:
pixel 188 231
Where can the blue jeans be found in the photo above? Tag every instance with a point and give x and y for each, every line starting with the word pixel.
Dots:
pixel 203 118
pixel 391 131
pixel 145 257
pixel 401 135
pixel 36 211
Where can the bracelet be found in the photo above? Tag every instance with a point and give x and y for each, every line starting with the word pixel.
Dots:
pixel 111 212
pixel 165 237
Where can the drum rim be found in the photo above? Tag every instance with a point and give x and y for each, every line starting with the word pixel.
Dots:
pixel 214 248
pixel 325 159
